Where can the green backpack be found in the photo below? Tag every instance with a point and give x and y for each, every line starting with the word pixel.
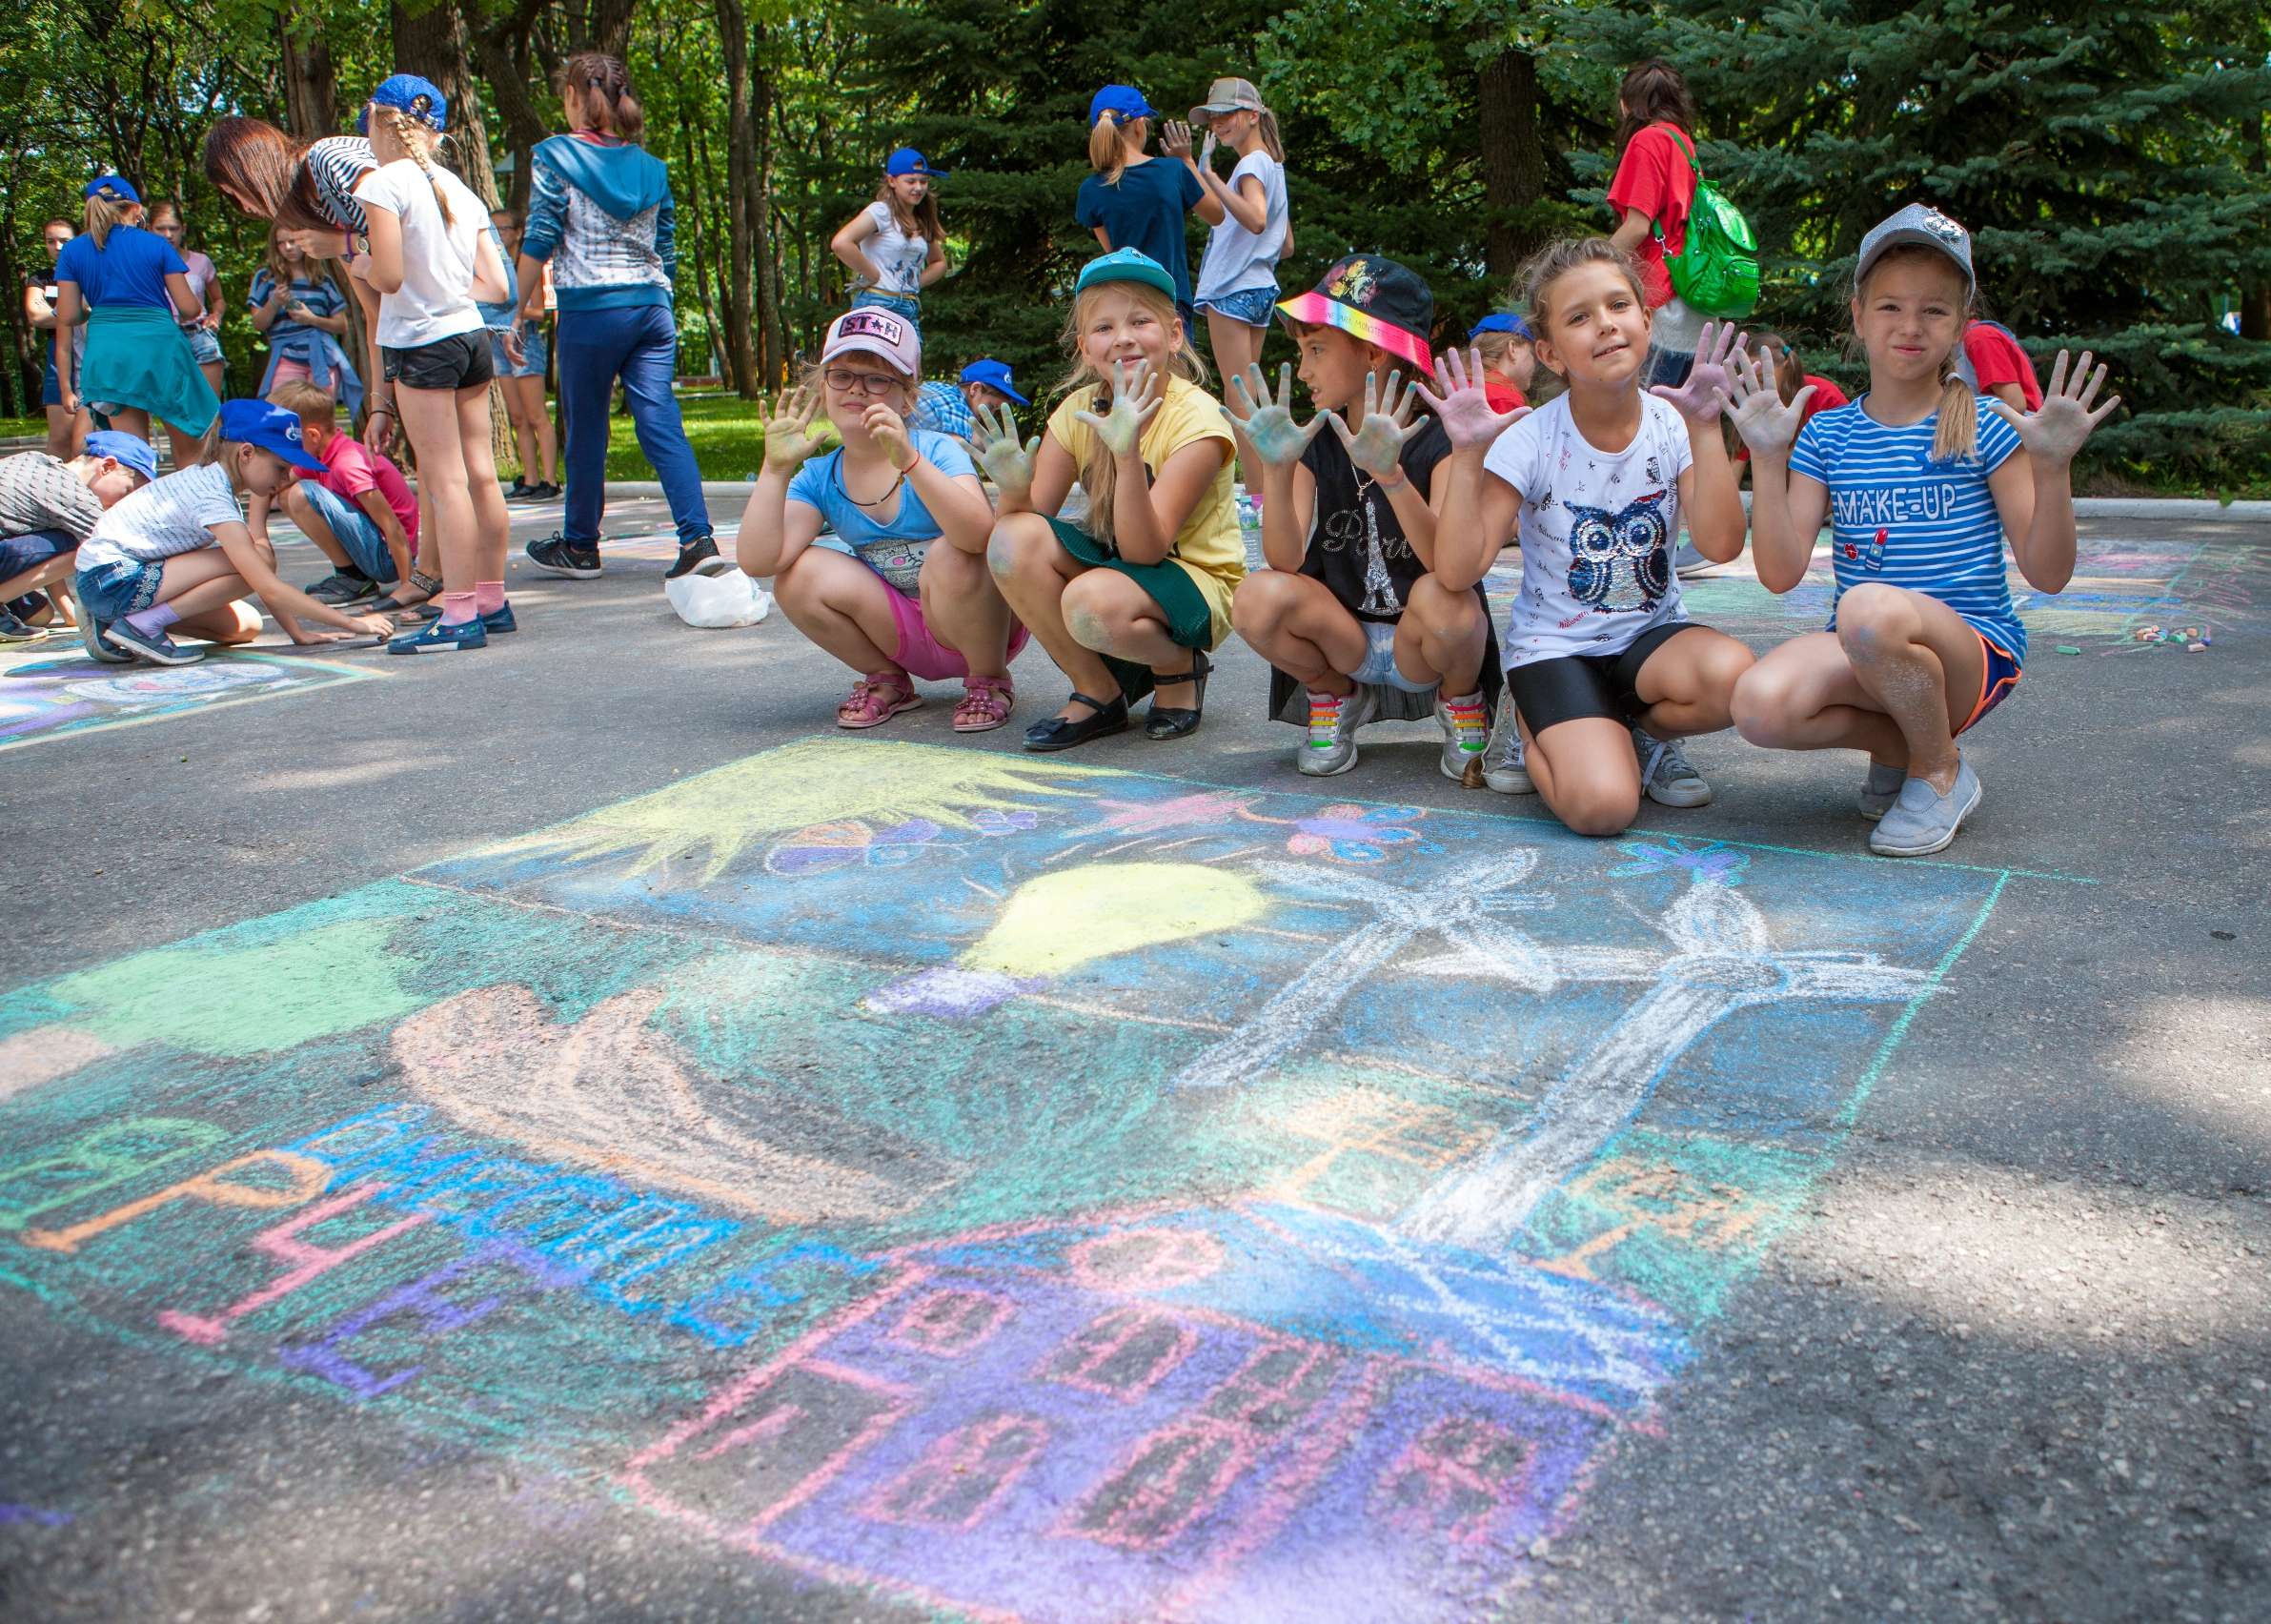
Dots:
pixel 1717 270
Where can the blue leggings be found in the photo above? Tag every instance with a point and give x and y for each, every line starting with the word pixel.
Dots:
pixel 640 344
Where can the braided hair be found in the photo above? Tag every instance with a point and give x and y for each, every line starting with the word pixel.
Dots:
pixel 417 140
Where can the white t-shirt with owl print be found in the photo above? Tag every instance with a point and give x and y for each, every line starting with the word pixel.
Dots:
pixel 1598 530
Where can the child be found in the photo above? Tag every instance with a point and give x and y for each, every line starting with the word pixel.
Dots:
pixel 358 511
pixel 1990 362
pixel 1922 481
pixel 431 257
pixel 1509 356
pixel 896 247
pixel 1238 276
pixel 134 291
pixel 950 408
pixel 518 349
pixel 1651 194
pixel 304 316
pixel 1135 601
pixel 602 218
pixel 991 384
pixel 1602 657
pixel 1136 202
pixel 176 553
pixel 881 596
pixel 67 431
pixel 1348 609
pixel 1774 353
pixel 48 509
pixel 203 333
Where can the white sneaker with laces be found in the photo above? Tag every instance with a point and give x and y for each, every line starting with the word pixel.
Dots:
pixel 1504 768
pixel 1331 748
pixel 1465 733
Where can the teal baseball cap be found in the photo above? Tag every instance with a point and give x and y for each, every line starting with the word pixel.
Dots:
pixel 1125 265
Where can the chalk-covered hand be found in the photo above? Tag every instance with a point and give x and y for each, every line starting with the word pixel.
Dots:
pixel 1463 408
pixel 1207 151
pixel 1174 138
pixel 1137 393
pixel 1698 398
pixel 2057 429
pixel 789 430
pixel 1007 461
pixel 889 431
pixel 1768 423
pixel 1376 445
pixel 1268 424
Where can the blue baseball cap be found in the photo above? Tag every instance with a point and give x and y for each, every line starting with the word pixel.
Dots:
pixel 115 187
pixel 994 375
pixel 906 160
pixel 271 428
pixel 128 451
pixel 1125 265
pixel 1502 321
pixel 406 93
pixel 1126 100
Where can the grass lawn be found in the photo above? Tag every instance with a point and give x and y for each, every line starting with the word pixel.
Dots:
pixel 727 432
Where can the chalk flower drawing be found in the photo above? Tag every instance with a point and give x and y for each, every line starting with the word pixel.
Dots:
pixel 1358 834
pixel 1716 862
pixel 827 847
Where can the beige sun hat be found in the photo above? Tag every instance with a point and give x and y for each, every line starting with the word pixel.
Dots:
pixel 1227 95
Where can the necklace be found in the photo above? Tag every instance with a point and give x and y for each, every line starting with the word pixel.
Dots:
pixel 877 501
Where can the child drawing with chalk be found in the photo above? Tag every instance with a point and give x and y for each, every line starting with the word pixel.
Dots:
pixel 1921 481
pixel 1350 616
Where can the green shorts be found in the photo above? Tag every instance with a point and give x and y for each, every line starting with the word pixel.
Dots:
pixel 1190 622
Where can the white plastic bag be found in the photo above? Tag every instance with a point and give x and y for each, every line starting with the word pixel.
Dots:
pixel 731 599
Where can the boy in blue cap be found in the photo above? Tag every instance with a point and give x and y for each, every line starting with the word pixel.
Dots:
pixel 177 553
pixel 48 507
pixel 948 408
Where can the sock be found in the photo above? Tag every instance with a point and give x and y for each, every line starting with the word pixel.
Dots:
pixel 154 619
pixel 457 608
pixel 488 596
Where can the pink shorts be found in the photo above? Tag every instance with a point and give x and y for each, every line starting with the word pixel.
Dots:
pixel 922 655
pixel 289 370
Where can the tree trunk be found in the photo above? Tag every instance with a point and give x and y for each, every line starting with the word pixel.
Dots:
pixel 502 51
pixel 311 83
pixel 1513 157
pixel 742 190
pixel 766 258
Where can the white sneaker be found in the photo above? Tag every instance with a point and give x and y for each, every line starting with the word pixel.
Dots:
pixel 1465 733
pixel 1666 775
pixel 1502 767
pixel 1331 748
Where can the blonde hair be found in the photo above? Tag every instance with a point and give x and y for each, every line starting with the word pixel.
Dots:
pixel 1110 143
pixel 1266 125
pixel 104 216
pixel 1550 264
pixel 417 140
pixel 1100 470
pixel 1956 440
pixel 1494 346
pixel 304 399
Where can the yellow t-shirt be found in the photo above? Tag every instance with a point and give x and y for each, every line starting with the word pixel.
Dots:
pixel 1209 547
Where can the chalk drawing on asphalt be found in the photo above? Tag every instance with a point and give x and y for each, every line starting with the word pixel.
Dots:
pixel 47 696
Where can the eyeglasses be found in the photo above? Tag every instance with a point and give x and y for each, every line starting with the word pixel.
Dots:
pixel 859 382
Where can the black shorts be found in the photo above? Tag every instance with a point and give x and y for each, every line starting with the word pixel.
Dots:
pixel 1579 686
pixel 460 361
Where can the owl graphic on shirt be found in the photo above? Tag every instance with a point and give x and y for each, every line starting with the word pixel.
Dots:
pixel 1620 560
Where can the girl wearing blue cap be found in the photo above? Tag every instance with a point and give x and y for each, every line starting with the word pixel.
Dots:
pixel 1132 601
pixel 1135 201
pixel 133 287
pixel 896 247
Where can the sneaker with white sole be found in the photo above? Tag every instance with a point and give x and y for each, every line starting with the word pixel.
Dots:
pixel 1331 748
pixel 1882 789
pixel 1689 561
pixel 443 637
pixel 156 647
pixel 1666 775
pixel 1465 734
pixel 1923 821
pixel 698 556
pixel 1504 768
pixel 99 646
pixel 342 587
pixel 577 560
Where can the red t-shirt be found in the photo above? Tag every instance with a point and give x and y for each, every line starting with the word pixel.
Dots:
pixel 1502 396
pixel 350 468
pixel 1996 357
pixel 1656 177
pixel 1826 394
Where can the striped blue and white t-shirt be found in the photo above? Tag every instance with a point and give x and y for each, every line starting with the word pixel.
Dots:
pixel 1897 517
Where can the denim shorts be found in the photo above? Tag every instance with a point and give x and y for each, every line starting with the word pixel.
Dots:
pixel 205 344
pixel 534 346
pixel 19 553
pixel 352 529
pixel 50 385
pixel 898 304
pixel 1256 307
pixel 1379 667
pixel 123 587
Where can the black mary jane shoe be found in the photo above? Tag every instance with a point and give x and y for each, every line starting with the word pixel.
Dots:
pixel 1169 722
pixel 1063 733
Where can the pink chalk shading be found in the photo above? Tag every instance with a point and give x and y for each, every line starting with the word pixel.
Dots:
pixel 951 1322
pixel 910 1496
pixel 283 1243
pixel 45 1053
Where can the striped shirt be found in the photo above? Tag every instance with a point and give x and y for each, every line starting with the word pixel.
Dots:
pixel 38 493
pixel 1900 518
pixel 165 517
pixel 335 164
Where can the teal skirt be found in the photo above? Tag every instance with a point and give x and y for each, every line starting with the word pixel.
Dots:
pixel 138 357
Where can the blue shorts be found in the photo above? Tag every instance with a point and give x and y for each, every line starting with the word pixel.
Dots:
pixel 21 553
pixel 1379 667
pixel 534 348
pixel 113 591
pixel 354 529
pixel 898 304
pixel 1997 677
pixel 205 344
pixel 51 386
pixel 1256 307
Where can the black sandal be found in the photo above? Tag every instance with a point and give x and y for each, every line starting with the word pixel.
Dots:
pixel 1168 721
pixel 419 581
pixel 1063 733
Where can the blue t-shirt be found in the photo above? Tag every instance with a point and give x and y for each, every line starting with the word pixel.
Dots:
pixel 894 551
pixel 321 295
pixel 1934 525
pixel 1144 211
pixel 130 269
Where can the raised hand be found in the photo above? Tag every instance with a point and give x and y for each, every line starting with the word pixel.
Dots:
pixel 1716 348
pixel 1768 423
pixel 889 431
pixel 1376 445
pixel 1174 138
pixel 1270 427
pixel 2057 429
pixel 1007 462
pixel 1463 408
pixel 789 430
pixel 1207 151
pixel 1137 393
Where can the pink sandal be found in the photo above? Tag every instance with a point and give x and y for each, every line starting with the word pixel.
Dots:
pixel 986 703
pixel 876 698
